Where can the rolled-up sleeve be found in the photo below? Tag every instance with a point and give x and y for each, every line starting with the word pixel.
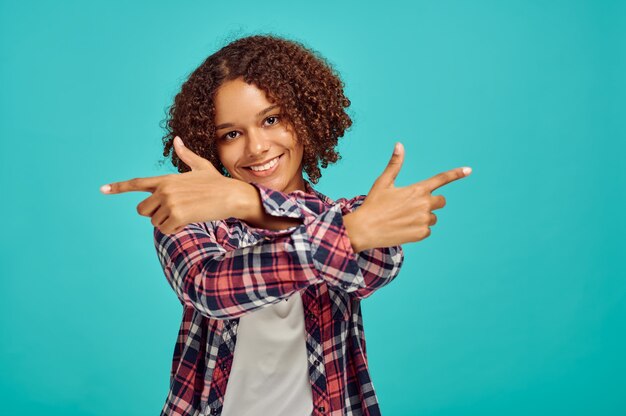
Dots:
pixel 360 273
pixel 226 284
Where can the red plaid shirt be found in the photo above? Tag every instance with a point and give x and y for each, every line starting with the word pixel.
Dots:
pixel 221 270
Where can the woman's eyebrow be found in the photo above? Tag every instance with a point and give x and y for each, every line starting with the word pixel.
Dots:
pixel 259 114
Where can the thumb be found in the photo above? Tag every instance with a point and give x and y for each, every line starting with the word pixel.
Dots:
pixel 390 173
pixel 194 161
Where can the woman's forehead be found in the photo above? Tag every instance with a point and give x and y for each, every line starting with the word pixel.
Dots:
pixel 237 98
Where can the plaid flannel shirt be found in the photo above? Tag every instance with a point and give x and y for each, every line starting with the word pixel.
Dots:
pixel 221 270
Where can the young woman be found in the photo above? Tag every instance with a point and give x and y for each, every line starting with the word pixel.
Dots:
pixel 271 272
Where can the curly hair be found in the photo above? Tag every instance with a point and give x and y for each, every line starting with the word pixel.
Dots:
pixel 297 78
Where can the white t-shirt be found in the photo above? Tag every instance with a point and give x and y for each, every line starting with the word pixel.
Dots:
pixel 269 374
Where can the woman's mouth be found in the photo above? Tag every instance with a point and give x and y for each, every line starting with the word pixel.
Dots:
pixel 267 169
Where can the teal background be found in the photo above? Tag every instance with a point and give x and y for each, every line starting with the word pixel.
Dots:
pixel 515 305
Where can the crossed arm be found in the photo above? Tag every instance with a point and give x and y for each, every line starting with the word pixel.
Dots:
pixel 297 251
pixel 292 253
pixel 258 217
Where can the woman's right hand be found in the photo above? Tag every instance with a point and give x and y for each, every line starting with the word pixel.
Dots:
pixel 391 216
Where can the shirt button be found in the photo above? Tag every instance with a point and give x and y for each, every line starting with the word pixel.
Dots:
pixel 311 315
pixel 214 411
pixel 316 362
pixel 345 285
pixel 321 408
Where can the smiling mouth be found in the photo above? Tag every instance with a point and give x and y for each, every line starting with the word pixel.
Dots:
pixel 273 164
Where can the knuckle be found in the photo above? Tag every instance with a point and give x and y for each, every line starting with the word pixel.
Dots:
pixel 419 189
pixel 168 181
pixel 168 200
pixel 422 233
pixel 175 213
pixel 422 204
pixel 416 222
pixel 165 188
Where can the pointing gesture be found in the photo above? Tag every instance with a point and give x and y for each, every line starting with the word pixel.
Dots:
pixel 392 216
pixel 181 199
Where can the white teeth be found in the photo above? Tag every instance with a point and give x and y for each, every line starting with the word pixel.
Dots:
pixel 267 166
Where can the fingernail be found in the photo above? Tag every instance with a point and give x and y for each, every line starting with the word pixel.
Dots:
pixel 105 188
pixel 396 149
pixel 178 141
pixel 467 171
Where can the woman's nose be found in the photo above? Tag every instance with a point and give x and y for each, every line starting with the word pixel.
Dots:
pixel 257 143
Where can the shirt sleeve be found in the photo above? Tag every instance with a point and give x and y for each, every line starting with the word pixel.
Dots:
pixel 360 274
pixel 226 284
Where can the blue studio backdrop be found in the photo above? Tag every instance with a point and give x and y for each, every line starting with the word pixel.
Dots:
pixel 515 305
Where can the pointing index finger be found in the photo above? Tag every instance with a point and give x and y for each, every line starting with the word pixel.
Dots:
pixel 445 178
pixel 131 185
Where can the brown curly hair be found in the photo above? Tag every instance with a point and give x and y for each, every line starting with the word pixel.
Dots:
pixel 297 78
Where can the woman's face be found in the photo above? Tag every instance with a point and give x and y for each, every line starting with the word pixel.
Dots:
pixel 251 132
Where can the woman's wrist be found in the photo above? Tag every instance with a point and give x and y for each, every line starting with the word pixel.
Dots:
pixel 244 198
pixel 356 232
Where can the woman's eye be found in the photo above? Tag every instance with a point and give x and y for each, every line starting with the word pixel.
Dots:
pixel 229 135
pixel 275 118
pixel 233 134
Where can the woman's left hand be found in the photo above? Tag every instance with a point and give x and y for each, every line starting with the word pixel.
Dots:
pixel 179 199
